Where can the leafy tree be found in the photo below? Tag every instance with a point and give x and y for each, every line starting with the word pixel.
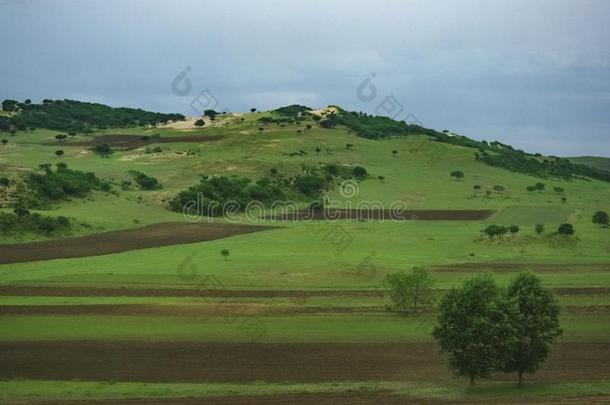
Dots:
pixel 476 187
pixel 225 254
pixel 566 229
pixel 410 291
pixel 59 153
pixel 9 105
pixel 495 230
pixel 458 174
pixel 394 152
pixel 61 137
pixel 210 113
pixel 472 327
pixel 514 229
pixel 102 150
pixel 534 324
pixel 4 141
pixel 531 188
pixel 600 218
pixel 539 229
pixel 381 178
pixel 252 109
pixel 28 101
pixel 199 123
pixel 539 186
pixel 359 172
pixel 308 126
pixel 318 150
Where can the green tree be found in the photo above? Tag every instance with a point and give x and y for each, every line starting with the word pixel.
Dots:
pixel 514 229
pixel 59 153
pixel 458 174
pixel 9 105
pixel 539 186
pixel 394 152
pixel 472 326
pixel 199 123
pixel 410 291
pixel 600 217
pixel 61 137
pixel 4 141
pixel 359 172
pixel 566 229
pixel 534 323
pixel 539 229
pixel 225 254
pixel 252 110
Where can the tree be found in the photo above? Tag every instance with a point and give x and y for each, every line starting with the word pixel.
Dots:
pixel 252 109
pixel 458 174
pixel 199 123
pixel 410 291
pixel 349 146
pixel 27 101
pixel 476 187
pixel 566 229
pixel 225 254
pixel 4 141
pixel 472 326
pixel 381 178
pixel 318 150
pixel 539 229
pixel 308 126
pixel 539 186
pixel 495 230
pixel 600 217
pixel 59 153
pixel 559 189
pixel 514 229
pixel 61 137
pixel 9 105
pixel 210 113
pixel 359 172
pixel 394 152
pixel 534 323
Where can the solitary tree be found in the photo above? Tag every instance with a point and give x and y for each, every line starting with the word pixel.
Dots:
pixel 539 229
pixel 458 174
pixel 410 291
pixel 534 322
pixel 225 254
pixel 59 153
pixel 359 172
pixel 199 123
pixel 471 328
pixel 566 229
pixel 252 109
pixel 318 150
pixel 308 126
pixel 394 152
pixel 4 141
pixel 381 178
pixel 600 217
pixel 61 137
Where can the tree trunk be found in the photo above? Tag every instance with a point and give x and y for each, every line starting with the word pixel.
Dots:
pixel 520 377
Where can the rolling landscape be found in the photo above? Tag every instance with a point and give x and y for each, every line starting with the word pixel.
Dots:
pixel 304 203
pixel 113 286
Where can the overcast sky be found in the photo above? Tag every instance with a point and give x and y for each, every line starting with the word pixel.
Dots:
pixel 534 74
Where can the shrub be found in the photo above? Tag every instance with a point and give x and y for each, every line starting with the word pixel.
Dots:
pixel 566 229
pixel 145 182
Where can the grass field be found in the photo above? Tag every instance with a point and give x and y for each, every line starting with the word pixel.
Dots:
pixel 329 276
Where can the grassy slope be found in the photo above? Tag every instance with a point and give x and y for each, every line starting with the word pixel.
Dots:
pixel 303 255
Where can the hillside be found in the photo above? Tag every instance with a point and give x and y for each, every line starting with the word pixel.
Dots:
pixel 594 161
pixel 104 257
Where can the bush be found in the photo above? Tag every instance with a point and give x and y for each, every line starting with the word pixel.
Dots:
pixel 102 150
pixel 566 229
pixel 21 221
pixel 359 172
pixel 145 182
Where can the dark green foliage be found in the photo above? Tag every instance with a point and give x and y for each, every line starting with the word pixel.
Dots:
pixel 102 150
pixel 472 328
pixel 310 184
pixel 372 127
pixel 59 153
pixel 210 113
pixel 600 218
pixel 499 188
pixel 411 291
pixel 360 172
pixel 566 229
pixel 458 174
pixel 225 254
pixel 77 116
pixel 514 229
pixel 534 321
pixel 4 141
pixel 292 110
pixel 493 231
pixel 559 189
pixel 9 105
pixel 58 185
pixel 4 181
pixel 539 229
pixel 21 221
pixel 199 123
pixel 145 182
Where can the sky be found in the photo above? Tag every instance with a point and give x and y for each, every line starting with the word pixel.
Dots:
pixel 533 74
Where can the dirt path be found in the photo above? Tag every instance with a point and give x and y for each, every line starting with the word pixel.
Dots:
pixel 222 362
pixel 377 214
pixel 164 234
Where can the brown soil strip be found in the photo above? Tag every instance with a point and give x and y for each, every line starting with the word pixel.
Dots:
pixel 587 309
pixel 136 141
pixel 164 234
pixel 223 362
pixel 507 267
pixel 185 310
pixel 32 291
pixel 352 398
pixel 386 214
